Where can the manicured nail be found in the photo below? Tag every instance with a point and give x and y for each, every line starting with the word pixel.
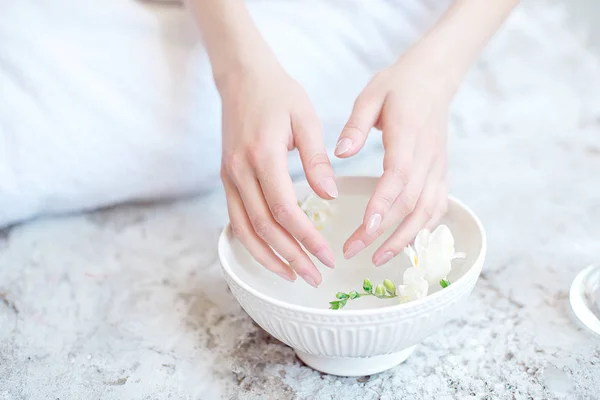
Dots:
pixel 329 186
pixel 309 279
pixel 326 257
pixel 354 248
pixel 342 146
pixel 373 224
pixel 382 259
pixel 286 276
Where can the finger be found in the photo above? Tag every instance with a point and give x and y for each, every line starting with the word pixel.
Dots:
pixel 399 142
pixel 410 226
pixel 403 205
pixel 273 234
pixel 308 138
pixel 243 231
pixel 280 196
pixel 364 116
pixel 442 206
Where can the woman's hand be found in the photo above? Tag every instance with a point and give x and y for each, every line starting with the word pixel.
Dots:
pixel 409 102
pixel 265 115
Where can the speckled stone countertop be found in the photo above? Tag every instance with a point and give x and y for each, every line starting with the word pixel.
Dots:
pixel 130 303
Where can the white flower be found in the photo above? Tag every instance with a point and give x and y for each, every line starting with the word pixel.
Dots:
pixel 317 209
pixel 415 286
pixel 433 254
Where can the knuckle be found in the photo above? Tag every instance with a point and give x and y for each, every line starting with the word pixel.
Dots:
pixel 237 231
pixel 255 155
pixel 384 202
pixel 401 173
pixel 234 164
pixel 429 211
pixel 312 245
pixel 407 204
pixel 318 159
pixel 291 259
pixel 261 227
pixel 352 128
pixel 281 212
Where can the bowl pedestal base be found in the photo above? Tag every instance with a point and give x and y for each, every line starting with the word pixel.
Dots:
pixel 351 366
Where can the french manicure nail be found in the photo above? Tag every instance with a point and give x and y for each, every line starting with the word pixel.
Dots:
pixel 342 146
pixel 326 257
pixel 354 248
pixel 382 259
pixel 329 186
pixel 373 224
pixel 309 279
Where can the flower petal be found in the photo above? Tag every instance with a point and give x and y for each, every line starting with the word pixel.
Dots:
pixel 413 276
pixel 442 238
pixel 422 241
pixel 435 265
pixel 317 209
pixel 414 287
pixel 412 255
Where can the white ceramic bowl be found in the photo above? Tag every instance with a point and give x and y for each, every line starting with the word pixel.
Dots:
pixel 369 335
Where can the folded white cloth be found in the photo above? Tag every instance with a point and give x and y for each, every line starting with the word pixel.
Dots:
pixel 108 101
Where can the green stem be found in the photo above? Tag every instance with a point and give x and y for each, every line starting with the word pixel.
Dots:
pixel 385 296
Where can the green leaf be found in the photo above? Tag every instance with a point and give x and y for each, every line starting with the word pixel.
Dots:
pixel 367 285
pixel 444 283
pixel 380 290
pixel 342 303
pixel 334 306
pixel 341 295
pixel 389 286
pixel 354 294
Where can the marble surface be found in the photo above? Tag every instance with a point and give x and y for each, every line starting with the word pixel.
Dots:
pixel 129 302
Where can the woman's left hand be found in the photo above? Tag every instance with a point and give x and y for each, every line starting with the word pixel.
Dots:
pixel 409 102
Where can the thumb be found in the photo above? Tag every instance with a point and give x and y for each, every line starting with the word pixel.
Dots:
pixel 308 138
pixel 365 115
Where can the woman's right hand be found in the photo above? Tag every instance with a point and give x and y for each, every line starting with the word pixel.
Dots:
pixel 265 115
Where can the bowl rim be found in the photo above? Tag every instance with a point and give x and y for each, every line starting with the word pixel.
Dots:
pixel 370 311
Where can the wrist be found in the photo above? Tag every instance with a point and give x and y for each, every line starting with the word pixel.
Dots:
pixel 448 63
pixel 234 44
pixel 231 69
pixel 456 41
pixel 429 62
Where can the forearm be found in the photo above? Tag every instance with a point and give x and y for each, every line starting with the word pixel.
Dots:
pixel 232 40
pixel 461 33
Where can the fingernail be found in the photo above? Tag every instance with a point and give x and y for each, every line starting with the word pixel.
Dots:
pixel 342 146
pixel 373 224
pixel 329 186
pixel 382 259
pixel 326 257
pixel 309 279
pixel 286 276
pixel 354 248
